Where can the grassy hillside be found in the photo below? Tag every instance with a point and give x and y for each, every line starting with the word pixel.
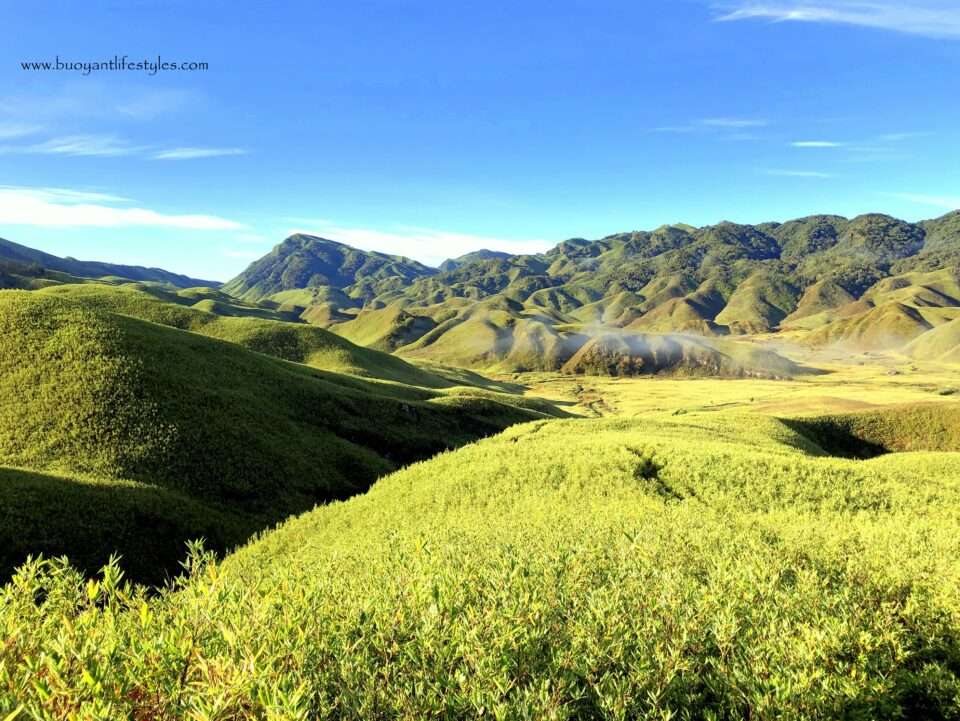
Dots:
pixel 934 427
pixel 703 566
pixel 941 343
pixel 473 257
pixel 252 327
pixel 891 325
pixel 87 392
pixel 90 518
pixel 386 328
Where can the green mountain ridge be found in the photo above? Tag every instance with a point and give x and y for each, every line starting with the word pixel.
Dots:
pixel 821 275
pixel 306 262
pixel 472 257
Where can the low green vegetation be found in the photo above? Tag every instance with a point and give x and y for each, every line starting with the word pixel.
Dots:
pixel 85 392
pixel 934 427
pixel 703 566
pixel 252 327
pixel 90 518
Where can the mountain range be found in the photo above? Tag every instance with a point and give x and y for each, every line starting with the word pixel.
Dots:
pixel 871 282
pixel 677 299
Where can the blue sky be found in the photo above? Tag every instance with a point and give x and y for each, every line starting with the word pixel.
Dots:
pixel 433 128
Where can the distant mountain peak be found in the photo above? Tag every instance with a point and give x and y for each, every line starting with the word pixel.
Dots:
pixel 306 261
pixel 473 257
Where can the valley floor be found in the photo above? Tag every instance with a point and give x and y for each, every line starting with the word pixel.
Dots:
pixel 845 383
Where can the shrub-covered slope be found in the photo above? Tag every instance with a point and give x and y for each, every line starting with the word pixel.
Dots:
pixel 254 328
pixel 87 392
pixel 620 354
pixel 934 427
pixel 703 567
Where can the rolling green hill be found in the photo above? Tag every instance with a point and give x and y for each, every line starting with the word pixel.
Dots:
pixel 941 343
pixel 181 420
pixel 252 327
pixel 710 566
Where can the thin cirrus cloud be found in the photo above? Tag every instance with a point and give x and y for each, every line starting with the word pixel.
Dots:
pixel 712 125
pixel 193 153
pixel 931 18
pixel 82 145
pixel 63 208
pixel 65 195
pixel 99 101
pixel 797 173
pixel 9 131
pixel 105 146
pixel 817 144
pixel 734 123
pixel 416 242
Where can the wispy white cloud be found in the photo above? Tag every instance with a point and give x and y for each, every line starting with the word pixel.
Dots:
pixel 817 144
pixel 147 104
pixel 899 137
pixel 936 201
pixel 734 123
pixel 110 145
pixel 427 245
pixel 798 173
pixel 79 145
pixel 57 207
pixel 193 153
pixel 18 130
pixel 65 195
pixel 732 128
pixel 98 100
pixel 932 18
pixel 682 129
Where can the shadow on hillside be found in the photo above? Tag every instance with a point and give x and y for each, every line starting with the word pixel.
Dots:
pixel 88 521
pixel 868 434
